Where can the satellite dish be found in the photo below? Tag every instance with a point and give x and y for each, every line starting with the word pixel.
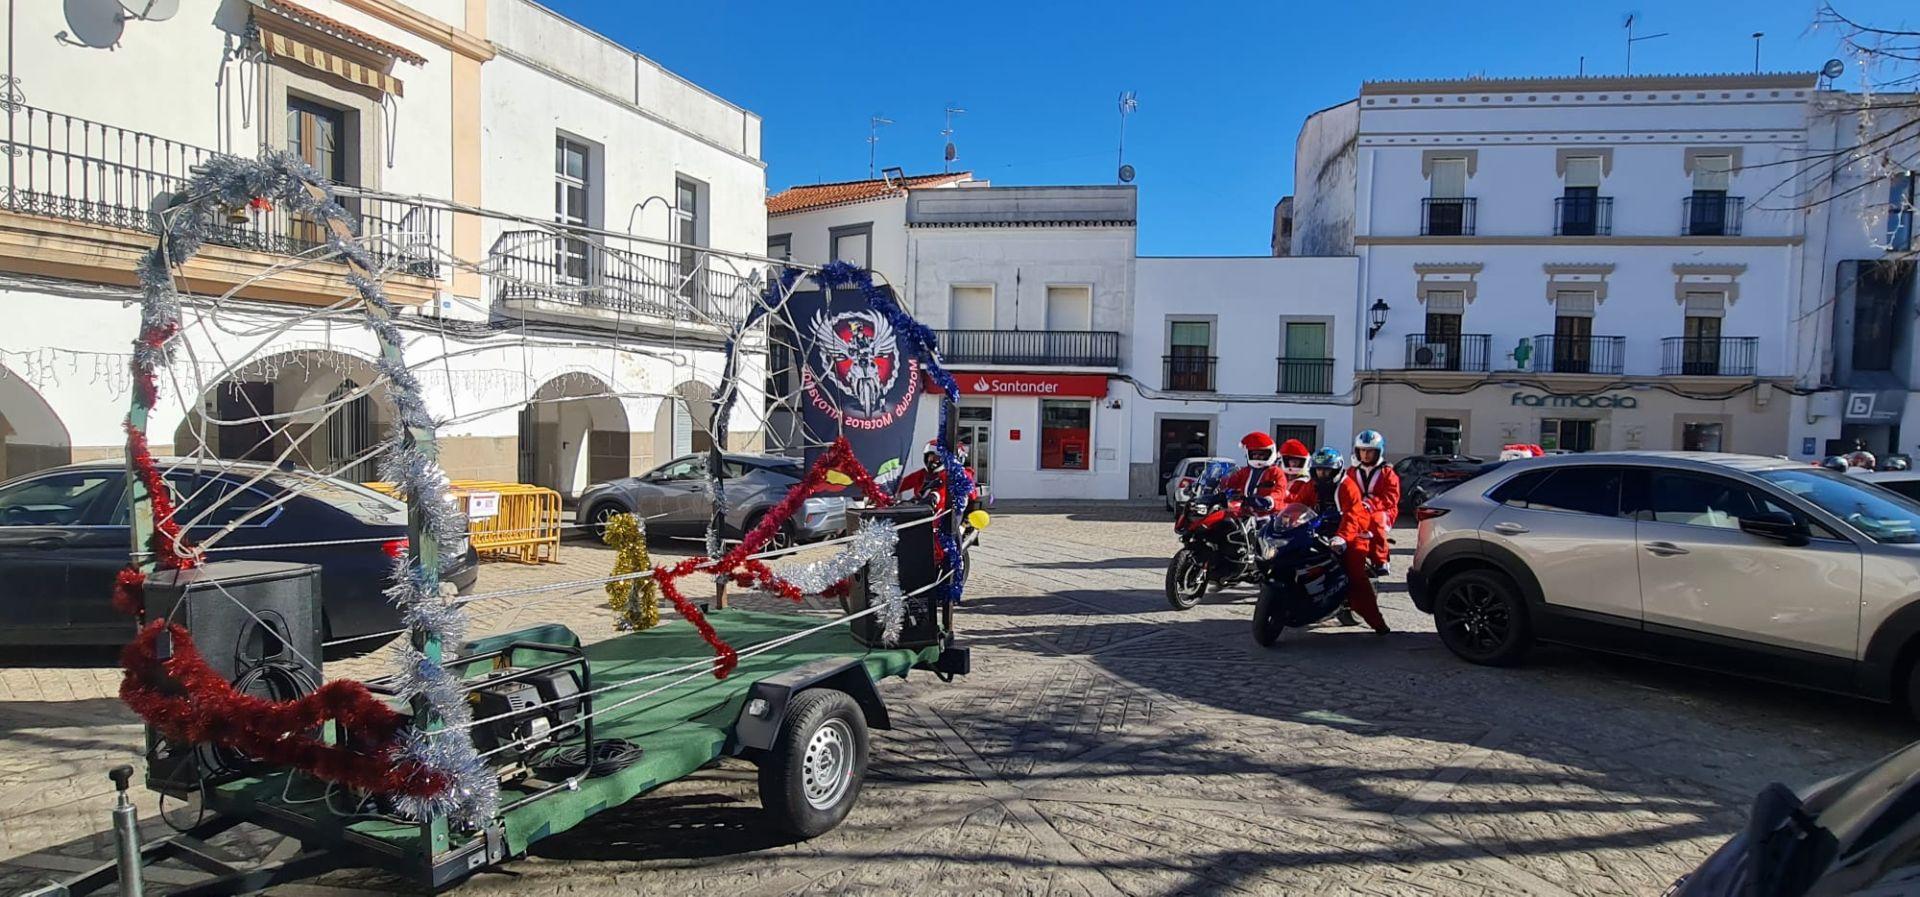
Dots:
pixel 151 10
pixel 93 23
pixel 1833 69
pixel 1126 174
pixel 952 153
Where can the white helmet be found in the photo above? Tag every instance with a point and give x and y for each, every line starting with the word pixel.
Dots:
pixel 1369 439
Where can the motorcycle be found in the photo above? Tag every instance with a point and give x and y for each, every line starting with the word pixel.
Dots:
pixel 1216 548
pixel 1302 580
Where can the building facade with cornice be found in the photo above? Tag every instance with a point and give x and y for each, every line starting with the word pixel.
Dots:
pixel 1579 263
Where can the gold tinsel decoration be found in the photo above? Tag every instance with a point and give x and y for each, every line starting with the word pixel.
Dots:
pixel 628 536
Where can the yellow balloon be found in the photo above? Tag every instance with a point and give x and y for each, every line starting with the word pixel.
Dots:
pixel 978 519
pixel 839 479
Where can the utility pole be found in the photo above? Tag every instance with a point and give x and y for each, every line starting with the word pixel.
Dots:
pixel 873 140
pixel 1127 105
pixel 1757 35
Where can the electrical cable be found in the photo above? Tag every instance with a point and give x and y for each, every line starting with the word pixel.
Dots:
pixel 609 756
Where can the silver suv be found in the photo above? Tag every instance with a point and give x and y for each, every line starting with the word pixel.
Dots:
pixel 1756 566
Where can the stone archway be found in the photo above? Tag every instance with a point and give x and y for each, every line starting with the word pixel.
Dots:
pixel 299 383
pixel 574 433
pixel 684 423
pixel 31 435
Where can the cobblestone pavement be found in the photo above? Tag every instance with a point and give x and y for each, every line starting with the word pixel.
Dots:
pixel 1106 745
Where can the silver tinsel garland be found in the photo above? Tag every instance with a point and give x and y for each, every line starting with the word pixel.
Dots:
pixel 873 546
pixel 222 183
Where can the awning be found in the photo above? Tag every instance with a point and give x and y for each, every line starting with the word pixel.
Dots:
pixel 281 46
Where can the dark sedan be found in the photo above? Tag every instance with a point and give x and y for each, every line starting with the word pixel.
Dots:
pixel 673 498
pixel 1425 476
pixel 64 536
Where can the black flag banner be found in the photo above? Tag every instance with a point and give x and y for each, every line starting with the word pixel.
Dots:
pixel 856 379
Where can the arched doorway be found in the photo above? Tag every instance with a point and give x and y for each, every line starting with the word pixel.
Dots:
pixel 574 433
pixel 298 388
pixel 31 435
pixel 684 423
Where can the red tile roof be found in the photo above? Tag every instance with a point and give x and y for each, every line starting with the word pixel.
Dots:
pixel 343 31
pixel 819 196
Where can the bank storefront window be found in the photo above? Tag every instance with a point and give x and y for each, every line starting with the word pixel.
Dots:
pixel 1066 434
pixel 1566 435
pixel 1701 436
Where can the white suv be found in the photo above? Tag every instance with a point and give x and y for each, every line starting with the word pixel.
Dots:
pixel 1756 566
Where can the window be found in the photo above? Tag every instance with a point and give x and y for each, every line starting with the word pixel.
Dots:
pixel 215 501
pixel 1449 179
pixel 1517 489
pixel 1690 499
pixel 853 244
pixel 1876 305
pixel 1305 365
pixel 57 500
pixel 1707 209
pixel 571 189
pixel 780 246
pixel 1308 434
pixel 316 135
pixel 1066 434
pixel 1573 332
pixel 1578 490
pixel 1441 341
pixel 1900 205
pixel 1883 516
pixel 1702 436
pixel 1566 434
pixel 1190 355
pixel 971 308
pixel 683 469
pixel 689 228
pixel 1700 343
pixel 1069 308
pixel 1442 436
pixel 1580 197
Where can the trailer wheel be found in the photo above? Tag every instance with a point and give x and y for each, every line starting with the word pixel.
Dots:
pixel 811 777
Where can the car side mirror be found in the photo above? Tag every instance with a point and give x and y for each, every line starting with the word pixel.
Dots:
pixel 1780 527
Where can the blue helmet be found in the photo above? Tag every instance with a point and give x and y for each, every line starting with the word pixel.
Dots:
pixel 1370 439
pixel 1327 458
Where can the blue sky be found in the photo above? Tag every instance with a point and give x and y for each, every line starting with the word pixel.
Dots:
pixel 1223 86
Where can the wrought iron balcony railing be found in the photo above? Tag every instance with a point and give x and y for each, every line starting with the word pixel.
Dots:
pixel 1083 348
pixel 1709 356
pixel 1710 214
pixel 1190 373
pixel 61 166
pixel 1583 216
pixel 1447 217
pixel 1448 351
pixel 1306 376
pixel 593 271
pixel 1579 354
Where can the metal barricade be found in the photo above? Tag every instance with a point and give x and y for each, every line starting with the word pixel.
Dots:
pixel 507 521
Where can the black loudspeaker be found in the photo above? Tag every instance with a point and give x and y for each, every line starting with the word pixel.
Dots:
pixel 917 570
pixel 257 623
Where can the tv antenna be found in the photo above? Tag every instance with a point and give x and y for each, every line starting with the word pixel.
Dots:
pixel 947 132
pixel 1631 40
pixel 1757 35
pixel 873 140
pixel 1128 103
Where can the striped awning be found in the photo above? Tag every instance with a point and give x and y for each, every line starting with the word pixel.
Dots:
pixel 280 46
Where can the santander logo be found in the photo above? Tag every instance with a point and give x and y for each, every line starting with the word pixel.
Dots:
pixel 1024 384
pixel 981 385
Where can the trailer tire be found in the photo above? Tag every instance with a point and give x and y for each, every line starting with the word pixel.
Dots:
pixel 811 777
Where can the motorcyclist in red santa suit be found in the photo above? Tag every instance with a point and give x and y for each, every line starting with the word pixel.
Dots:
pixel 1381 486
pixel 929 483
pixel 1259 479
pixel 1336 497
pixel 1293 459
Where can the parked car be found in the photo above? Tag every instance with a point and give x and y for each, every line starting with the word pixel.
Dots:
pixel 1761 567
pixel 673 498
pixel 1425 476
pixel 64 536
pixel 1190 473
pixel 1853 834
pixel 1905 482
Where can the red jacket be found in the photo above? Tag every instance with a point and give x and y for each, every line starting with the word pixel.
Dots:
pixel 1381 487
pixel 1356 519
pixel 917 483
pixel 1252 482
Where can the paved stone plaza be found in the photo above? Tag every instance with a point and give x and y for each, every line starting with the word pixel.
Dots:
pixel 1108 745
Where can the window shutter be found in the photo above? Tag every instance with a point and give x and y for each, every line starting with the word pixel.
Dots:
pixel 1583 171
pixel 1712 172
pixel 1574 303
pixel 1706 305
pixel 1446 302
pixel 972 308
pixel 1449 179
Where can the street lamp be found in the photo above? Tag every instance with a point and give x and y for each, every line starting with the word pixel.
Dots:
pixel 1376 318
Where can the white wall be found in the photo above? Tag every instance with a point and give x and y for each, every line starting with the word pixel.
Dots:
pixel 1323 181
pixel 887 214
pixel 1020 263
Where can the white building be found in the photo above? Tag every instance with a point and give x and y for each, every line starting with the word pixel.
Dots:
pixel 1584 263
pixel 1223 347
pixel 560 361
pixel 1031 290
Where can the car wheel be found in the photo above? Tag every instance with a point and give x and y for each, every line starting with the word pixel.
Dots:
pixel 1912 692
pixel 811 777
pixel 782 538
pixel 600 516
pixel 1482 618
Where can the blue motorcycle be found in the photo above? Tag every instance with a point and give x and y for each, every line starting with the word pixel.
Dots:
pixel 1301 578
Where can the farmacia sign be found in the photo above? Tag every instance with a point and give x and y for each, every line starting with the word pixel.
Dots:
pixel 1540 400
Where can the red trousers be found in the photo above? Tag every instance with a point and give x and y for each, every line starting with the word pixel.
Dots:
pixel 1381 525
pixel 1360 597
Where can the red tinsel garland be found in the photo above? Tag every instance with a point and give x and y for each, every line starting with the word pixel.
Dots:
pixel 739 566
pixel 189 702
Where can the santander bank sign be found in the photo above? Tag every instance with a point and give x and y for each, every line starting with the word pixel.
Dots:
pixel 995 383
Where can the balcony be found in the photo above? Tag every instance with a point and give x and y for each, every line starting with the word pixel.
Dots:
pixel 1583 216
pixel 1451 217
pixel 97 174
pixel 1032 348
pixel 1449 351
pixel 1709 356
pixel 1306 376
pixel 1190 373
pixel 596 275
pixel 1579 354
pixel 1710 214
